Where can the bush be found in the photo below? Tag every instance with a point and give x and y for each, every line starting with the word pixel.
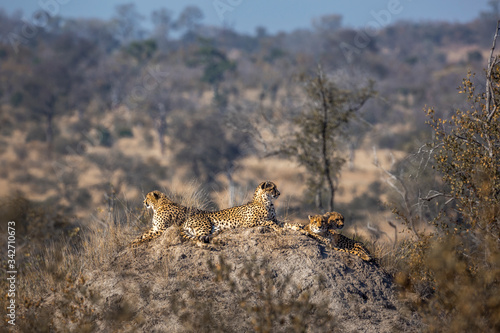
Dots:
pixel 456 268
pixel 458 292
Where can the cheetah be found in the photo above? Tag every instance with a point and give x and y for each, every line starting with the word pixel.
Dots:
pixel 258 212
pixel 166 213
pixel 322 228
pixel 322 223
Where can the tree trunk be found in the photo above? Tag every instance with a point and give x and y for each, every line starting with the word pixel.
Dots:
pixel 318 199
pixel 332 196
pixel 49 133
pixel 331 188
pixel 161 141
pixel 326 159
pixel 352 154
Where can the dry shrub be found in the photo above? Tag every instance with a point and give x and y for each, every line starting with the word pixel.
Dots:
pixel 54 295
pixel 456 269
pixel 38 222
pixel 467 297
pixel 411 270
pixel 67 309
pixel 458 283
pixel 100 242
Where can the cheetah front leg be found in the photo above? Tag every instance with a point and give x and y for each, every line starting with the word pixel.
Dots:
pixel 147 237
pixel 274 225
pixel 293 226
pixel 318 237
pixel 301 229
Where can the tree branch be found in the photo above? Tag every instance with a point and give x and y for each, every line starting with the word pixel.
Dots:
pixel 467 140
pixel 402 190
pixel 489 86
pixel 430 197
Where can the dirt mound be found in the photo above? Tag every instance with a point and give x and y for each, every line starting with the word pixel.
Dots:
pixel 248 280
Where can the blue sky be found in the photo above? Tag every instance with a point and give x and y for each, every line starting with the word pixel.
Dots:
pixel 275 15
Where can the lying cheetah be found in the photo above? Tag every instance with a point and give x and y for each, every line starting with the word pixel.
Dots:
pixel 321 227
pixel 327 221
pixel 166 213
pixel 258 212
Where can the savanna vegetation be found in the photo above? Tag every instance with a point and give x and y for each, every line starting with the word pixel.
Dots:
pixel 96 113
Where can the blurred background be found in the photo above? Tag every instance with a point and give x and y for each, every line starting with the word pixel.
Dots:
pixel 102 102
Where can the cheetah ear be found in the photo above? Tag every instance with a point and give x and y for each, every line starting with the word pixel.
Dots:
pixel 155 194
pixel 263 185
pixel 309 217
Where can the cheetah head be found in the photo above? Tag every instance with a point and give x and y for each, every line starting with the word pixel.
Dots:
pixel 317 224
pixel 268 190
pixel 334 220
pixel 152 199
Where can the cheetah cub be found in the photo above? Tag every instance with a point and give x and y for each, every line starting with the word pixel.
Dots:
pixel 322 228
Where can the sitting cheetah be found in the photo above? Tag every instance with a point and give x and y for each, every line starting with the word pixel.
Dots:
pixel 166 213
pixel 321 227
pixel 258 212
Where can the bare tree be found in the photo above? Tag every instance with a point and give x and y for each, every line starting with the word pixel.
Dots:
pixel 322 122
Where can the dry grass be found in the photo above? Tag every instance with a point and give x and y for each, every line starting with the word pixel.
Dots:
pixel 99 243
pixel 47 267
pixel 189 194
pixel 53 294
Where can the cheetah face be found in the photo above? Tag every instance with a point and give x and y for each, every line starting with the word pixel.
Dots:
pixel 152 199
pixel 334 220
pixel 270 189
pixel 316 224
